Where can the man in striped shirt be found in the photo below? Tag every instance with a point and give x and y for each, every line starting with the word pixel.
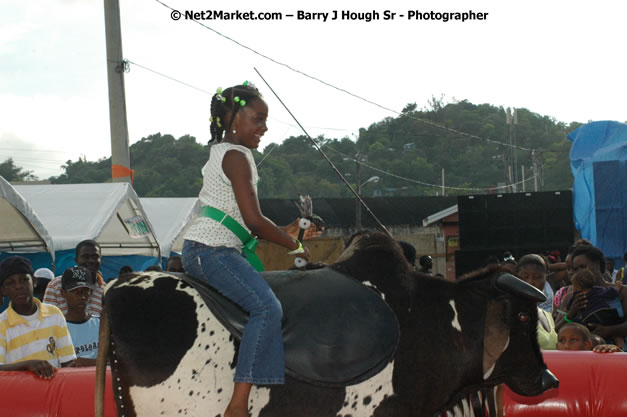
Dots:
pixel 33 336
pixel 88 256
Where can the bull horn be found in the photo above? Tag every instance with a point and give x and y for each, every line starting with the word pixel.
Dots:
pixel 549 381
pixel 101 363
pixel 509 283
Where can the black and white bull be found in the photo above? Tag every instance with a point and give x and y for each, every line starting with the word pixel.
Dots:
pixel 171 357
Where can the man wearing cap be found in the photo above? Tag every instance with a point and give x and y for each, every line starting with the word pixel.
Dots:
pixel 78 283
pixel 33 336
pixel 42 276
pixel 88 256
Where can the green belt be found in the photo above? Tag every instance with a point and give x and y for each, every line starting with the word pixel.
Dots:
pixel 250 243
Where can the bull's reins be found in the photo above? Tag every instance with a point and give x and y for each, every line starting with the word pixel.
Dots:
pixel 339 174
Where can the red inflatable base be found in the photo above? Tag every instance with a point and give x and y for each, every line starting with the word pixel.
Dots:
pixel 70 393
pixel 591 385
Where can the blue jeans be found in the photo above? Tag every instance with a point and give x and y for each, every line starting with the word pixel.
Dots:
pixel 260 360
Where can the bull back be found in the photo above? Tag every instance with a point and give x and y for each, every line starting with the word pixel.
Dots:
pixel 336 331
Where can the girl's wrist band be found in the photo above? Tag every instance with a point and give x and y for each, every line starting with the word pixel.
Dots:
pixel 566 319
pixel 298 250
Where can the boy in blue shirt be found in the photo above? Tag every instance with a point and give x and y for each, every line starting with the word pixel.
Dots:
pixel 77 285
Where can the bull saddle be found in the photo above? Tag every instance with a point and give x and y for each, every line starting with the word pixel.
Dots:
pixel 336 331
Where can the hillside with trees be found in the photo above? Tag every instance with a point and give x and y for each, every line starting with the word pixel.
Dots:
pixel 11 172
pixel 407 153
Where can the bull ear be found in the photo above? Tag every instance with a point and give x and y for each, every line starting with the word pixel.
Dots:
pixel 509 283
pixel 496 336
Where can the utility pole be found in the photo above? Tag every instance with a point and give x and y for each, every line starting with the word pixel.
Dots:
pixel 443 188
pixel 358 186
pixel 120 155
pixel 506 175
pixel 534 167
pixel 512 121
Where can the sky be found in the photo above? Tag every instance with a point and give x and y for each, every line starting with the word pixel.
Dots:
pixel 564 59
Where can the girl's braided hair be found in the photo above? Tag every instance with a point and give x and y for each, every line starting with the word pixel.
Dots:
pixel 229 101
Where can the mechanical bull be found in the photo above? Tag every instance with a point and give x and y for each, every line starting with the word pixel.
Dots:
pixel 170 355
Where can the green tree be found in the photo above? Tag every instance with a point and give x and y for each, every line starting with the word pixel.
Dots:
pixel 11 172
pixel 469 141
pixel 84 172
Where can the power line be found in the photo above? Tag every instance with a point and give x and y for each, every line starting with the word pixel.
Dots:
pixel 428 122
pixel 422 182
pixel 276 145
pixel 211 94
pixel 46 161
pixel 31 150
pixel 170 78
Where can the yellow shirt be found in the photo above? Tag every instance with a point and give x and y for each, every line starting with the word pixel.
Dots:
pixel 43 335
pixel 547 339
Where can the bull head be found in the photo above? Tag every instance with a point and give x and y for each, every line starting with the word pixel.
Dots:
pixel 533 379
pixel 515 286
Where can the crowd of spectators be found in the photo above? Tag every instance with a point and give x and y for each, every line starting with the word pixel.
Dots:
pixel 53 322
pixel 585 298
pixel 584 310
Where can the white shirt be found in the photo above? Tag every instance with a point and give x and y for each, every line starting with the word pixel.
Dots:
pixel 217 191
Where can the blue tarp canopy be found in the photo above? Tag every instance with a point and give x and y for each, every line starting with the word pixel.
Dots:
pixel 597 160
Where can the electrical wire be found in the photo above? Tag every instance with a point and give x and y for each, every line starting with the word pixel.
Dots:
pixel 422 182
pixel 428 122
pixel 337 171
pixel 211 94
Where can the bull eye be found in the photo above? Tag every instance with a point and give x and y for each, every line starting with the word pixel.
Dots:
pixel 523 318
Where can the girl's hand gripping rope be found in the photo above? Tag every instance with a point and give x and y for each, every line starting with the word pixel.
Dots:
pixel 300 261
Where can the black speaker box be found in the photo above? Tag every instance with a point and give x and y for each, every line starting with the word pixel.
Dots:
pixel 518 220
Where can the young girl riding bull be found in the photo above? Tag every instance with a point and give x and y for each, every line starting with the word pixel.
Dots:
pixel 213 246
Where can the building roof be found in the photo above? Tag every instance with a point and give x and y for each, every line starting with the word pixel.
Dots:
pixel 439 215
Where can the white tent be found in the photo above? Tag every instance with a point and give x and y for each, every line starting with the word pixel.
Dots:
pixel 21 230
pixel 171 217
pixel 110 214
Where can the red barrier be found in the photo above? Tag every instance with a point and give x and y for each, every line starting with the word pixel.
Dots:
pixel 70 393
pixel 591 385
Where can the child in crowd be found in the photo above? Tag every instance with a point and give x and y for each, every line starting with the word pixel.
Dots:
pixel 574 336
pixel 77 285
pixel 33 336
pixel 213 248
pixel 174 264
pixel 533 270
pixel 601 305
pixel 42 278
pixel 126 269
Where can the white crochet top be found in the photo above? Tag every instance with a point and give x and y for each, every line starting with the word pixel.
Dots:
pixel 217 192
